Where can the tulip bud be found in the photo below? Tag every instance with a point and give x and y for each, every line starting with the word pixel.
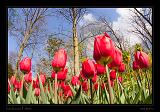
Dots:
pixel 28 77
pixel 103 86
pixel 85 86
pixel 9 88
pixel 142 59
pixel 100 69
pixel 61 75
pixel 112 83
pixel 18 85
pixel 75 80
pixel 96 86
pixel 121 67
pixel 88 69
pixel 135 65
pixel 12 80
pixel 37 91
pixel 67 91
pixel 94 79
pixel 25 65
pixel 113 75
pixel 117 60
pixel 103 49
pixel 59 60
pixel 120 79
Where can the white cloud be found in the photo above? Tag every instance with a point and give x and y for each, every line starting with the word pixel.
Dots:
pixel 123 25
pixel 87 18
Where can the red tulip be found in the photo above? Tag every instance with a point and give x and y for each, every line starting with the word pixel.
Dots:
pixel 67 91
pixel 35 83
pixel 37 91
pixel 12 80
pixel 136 55
pixel 121 68
pixel 59 60
pixel 9 88
pixel 135 65
pixel 68 94
pixel 103 49
pixel 120 79
pixel 43 78
pixel 103 86
pixel 100 69
pixel 60 94
pixel 28 77
pixel 25 65
pixel 112 83
pixel 61 75
pixel 117 59
pixel 82 76
pixel 62 85
pixel 96 86
pixel 85 86
pixel 142 59
pixel 88 69
pixel 18 85
pixel 113 75
pixel 75 80
pixel 94 79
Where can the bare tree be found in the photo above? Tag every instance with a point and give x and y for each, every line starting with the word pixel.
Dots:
pixel 142 25
pixel 27 28
pixel 73 15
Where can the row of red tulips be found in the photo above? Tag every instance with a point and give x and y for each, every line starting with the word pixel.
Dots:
pixel 105 55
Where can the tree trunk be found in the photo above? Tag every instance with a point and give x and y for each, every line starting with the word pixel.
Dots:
pixel 75 44
pixel 26 38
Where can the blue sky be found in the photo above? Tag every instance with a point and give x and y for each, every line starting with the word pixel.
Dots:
pixel 53 23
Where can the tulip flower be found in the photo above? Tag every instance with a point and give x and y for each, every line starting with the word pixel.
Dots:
pixel 62 84
pixel 135 65
pixel 117 59
pixel 67 91
pixel 142 59
pixel 82 76
pixel 43 78
pixel 121 67
pixel 60 94
pixel 103 86
pixel 9 88
pixel 96 86
pixel 112 83
pixel 61 75
pixel 94 79
pixel 113 75
pixel 28 77
pixel 37 91
pixel 25 65
pixel 12 80
pixel 88 69
pixel 120 79
pixel 75 80
pixel 18 85
pixel 100 69
pixel 36 81
pixel 59 60
pixel 85 86
pixel 103 49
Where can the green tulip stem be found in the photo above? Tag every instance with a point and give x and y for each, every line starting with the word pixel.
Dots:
pixel 109 85
pixel 148 82
pixel 55 92
pixel 91 91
